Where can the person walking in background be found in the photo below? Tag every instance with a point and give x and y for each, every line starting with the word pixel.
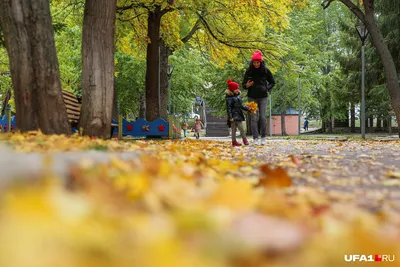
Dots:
pixel 306 125
pixel 184 127
pixel 259 81
pixel 198 125
pixel 234 108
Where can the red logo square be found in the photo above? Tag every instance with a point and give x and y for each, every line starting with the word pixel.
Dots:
pixel 378 257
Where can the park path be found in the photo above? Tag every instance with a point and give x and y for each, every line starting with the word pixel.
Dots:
pixel 364 172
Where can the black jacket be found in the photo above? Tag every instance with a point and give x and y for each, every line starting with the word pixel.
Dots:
pixel 234 106
pixel 263 81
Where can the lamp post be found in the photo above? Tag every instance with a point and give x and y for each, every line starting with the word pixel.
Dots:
pixel 300 70
pixel 270 114
pixel 169 73
pixel 363 34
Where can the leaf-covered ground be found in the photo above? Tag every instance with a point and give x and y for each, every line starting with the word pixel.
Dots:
pixel 203 203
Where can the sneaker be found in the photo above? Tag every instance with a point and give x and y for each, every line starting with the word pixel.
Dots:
pixel 255 141
pixel 235 143
pixel 263 141
pixel 245 142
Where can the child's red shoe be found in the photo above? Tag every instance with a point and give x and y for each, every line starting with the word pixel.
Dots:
pixel 245 142
pixel 235 143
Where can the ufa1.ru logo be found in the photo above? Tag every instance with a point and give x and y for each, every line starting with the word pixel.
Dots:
pixel 378 258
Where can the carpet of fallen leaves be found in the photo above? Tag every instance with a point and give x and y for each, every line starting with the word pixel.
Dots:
pixel 204 203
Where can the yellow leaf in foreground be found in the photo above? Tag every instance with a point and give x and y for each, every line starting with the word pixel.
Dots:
pixel 277 177
pixel 235 194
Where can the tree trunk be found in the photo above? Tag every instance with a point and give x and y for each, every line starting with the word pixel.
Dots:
pixel 371 123
pixel 98 67
pixel 29 40
pixel 386 58
pixel 353 118
pixel 385 123
pixel 152 66
pixel 165 53
pixel 283 123
pixel 323 126
pixel 142 105
pixel 378 123
pixel 382 50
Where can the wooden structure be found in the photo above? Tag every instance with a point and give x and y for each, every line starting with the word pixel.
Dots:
pixel 291 122
pixel 216 126
pixel 73 106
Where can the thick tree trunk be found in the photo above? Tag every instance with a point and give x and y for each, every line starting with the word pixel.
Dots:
pixel 165 53
pixel 98 67
pixel 142 105
pixel 29 39
pixel 353 118
pixel 152 67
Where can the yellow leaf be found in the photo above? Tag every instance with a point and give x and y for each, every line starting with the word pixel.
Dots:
pixel 277 177
pixel 235 194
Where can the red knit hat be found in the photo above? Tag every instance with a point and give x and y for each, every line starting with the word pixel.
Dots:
pixel 257 56
pixel 232 86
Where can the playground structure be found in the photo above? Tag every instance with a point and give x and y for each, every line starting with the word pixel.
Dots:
pixel 140 128
pixel 8 123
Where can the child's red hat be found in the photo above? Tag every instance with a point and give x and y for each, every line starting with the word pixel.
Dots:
pixel 232 86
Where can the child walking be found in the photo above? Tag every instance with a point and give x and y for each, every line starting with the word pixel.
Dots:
pixel 234 107
pixel 185 126
pixel 198 125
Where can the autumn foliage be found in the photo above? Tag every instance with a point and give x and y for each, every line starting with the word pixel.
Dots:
pixel 185 203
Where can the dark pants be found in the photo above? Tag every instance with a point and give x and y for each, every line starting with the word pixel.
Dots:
pixel 238 125
pixel 260 114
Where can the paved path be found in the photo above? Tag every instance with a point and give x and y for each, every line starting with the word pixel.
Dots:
pixel 366 172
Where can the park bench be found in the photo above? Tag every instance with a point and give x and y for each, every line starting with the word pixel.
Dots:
pixel 73 106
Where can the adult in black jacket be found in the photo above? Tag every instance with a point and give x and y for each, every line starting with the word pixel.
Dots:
pixel 259 81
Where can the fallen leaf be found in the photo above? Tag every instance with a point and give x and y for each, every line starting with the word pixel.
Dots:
pixel 277 177
pixel 393 174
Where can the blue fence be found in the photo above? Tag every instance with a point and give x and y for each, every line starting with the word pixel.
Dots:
pixel 138 128
pixel 143 128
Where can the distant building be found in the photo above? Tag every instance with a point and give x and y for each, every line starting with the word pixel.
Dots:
pixel 291 122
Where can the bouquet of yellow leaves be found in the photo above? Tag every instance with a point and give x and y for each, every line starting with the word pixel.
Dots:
pixel 253 107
